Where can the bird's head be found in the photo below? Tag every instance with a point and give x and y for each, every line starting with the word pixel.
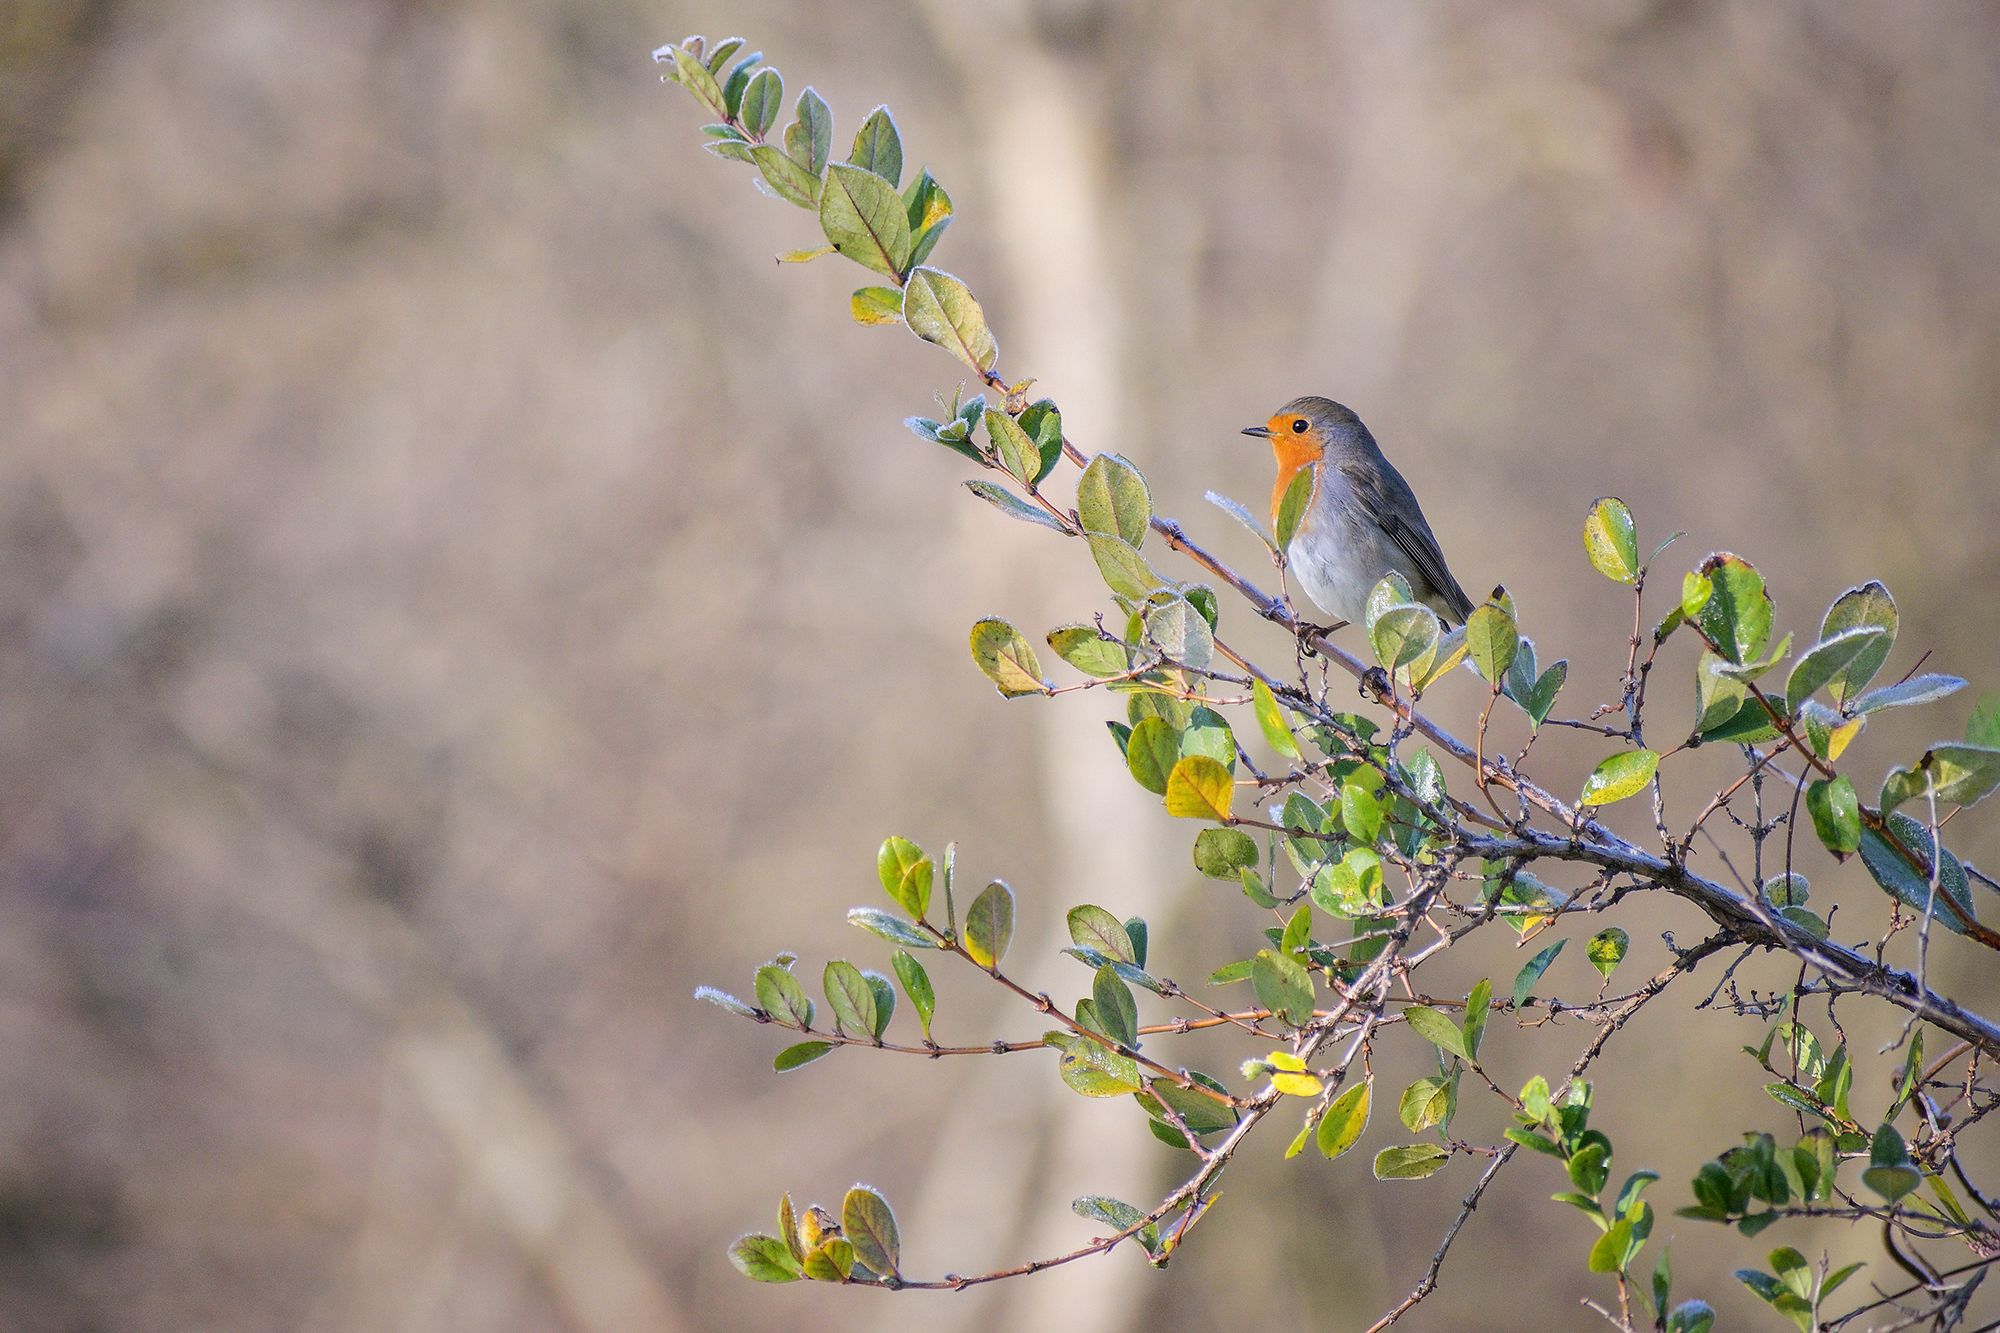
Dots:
pixel 1301 432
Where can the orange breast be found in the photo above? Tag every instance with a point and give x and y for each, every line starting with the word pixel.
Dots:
pixel 1295 453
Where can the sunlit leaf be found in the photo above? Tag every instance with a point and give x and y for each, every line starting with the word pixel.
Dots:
pixel 863 217
pixel 1200 788
pixel 1869 605
pixel 1283 986
pixel 1606 950
pixel 1221 853
pixel 1609 540
pixel 989 924
pixel 868 1224
pixel 1112 499
pixel 764 1259
pixel 1345 1119
pixel 1412 1161
pixel 1623 774
pixel 877 146
pixel 940 309
pixel 1007 659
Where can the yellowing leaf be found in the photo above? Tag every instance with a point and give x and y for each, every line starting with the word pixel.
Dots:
pixel 1622 775
pixel 1200 788
pixel 1006 658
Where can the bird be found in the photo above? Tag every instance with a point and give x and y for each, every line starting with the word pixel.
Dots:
pixel 1362 522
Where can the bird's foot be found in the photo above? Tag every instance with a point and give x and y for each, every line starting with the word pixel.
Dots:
pixel 1307 632
pixel 1375 685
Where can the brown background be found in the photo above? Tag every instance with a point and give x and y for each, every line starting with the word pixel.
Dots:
pixel 457 594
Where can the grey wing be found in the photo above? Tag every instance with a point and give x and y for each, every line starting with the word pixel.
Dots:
pixel 1393 505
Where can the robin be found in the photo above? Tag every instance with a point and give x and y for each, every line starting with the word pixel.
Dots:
pixel 1362 523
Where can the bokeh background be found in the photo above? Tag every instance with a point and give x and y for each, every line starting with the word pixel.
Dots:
pixel 457 594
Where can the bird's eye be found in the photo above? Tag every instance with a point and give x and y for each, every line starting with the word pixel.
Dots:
pixel 1298 425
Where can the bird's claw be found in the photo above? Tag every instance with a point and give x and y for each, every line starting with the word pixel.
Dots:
pixel 1307 632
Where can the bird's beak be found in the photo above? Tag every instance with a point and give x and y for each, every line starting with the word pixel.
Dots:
pixel 1264 431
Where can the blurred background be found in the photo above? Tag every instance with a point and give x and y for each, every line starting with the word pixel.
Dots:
pixel 457 594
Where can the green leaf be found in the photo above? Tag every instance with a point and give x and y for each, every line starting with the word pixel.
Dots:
pixel 832 1261
pixel 724 1000
pixel 890 927
pixel 1964 774
pixel 1007 659
pixel 1531 972
pixel 1547 686
pixel 940 309
pixel 1222 853
pixel 1787 890
pixel 1124 570
pixel 1013 506
pixel 1091 927
pixel 1607 1255
pixel 691 74
pixel 916 985
pixel 763 99
pixel 1869 605
pixel 1201 1114
pixel 1606 950
pixel 791 181
pixel 906 874
pixel 1112 499
pixel 1361 811
pixel 1208 734
pixel 929 210
pixel 1426 1102
pixel 1200 788
pixel 1911 883
pixel 1093 1071
pixel 1283 986
pixel 1117 1215
pixel 876 305
pixel 1492 638
pixel 989 925
pixel 862 215
pixel 1435 1028
pixel 877 146
pixel 1477 1005
pixel 1412 1161
pixel 780 995
pixel 1011 445
pixel 1737 615
pixel 1151 752
pixel 1116 1009
pixel 803 1053
pixel 1696 589
pixel 1890 1172
pixel 1623 774
pixel 1405 636
pixel 1089 651
pixel 1292 507
pixel 1043 422
pixel 1346 1117
pixel 1178 630
pixel 852 1000
pixel 1609 539
pixel 1271 720
pixel 1824 662
pixel 764 1259
pixel 809 138
pixel 1718 696
pixel 868 1224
